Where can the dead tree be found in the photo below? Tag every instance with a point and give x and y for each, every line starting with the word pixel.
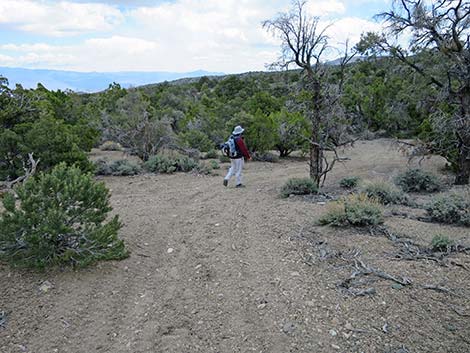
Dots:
pixel 304 43
pixel 29 170
pixel 440 29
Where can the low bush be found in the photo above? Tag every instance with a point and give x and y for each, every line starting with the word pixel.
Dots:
pixel 164 164
pixel 418 180
pixel 441 243
pixel 212 154
pixel 349 182
pixel 385 192
pixel 265 157
pixel 224 159
pixel 111 146
pixel 160 164
pixel 353 210
pixel 125 167
pixel 214 164
pixel 59 219
pixel 204 168
pixel 299 186
pixel 451 209
pixel 102 167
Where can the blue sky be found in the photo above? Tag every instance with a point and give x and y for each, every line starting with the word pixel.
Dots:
pixel 161 35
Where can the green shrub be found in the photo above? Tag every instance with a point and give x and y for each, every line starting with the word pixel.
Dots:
pixel 441 243
pixel 418 180
pixel 212 154
pixel 168 165
pixel 451 209
pixel 299 186
pixel 59 219
pixel 102 167
pixel 125 167
pixel 265 157
pixel 111 146
pixel 354 210
pixel 214 164
pixel 384 192
pixel 160 164
pixel 349 182
pixel 186 164
pixel 204 168
pixel 224 159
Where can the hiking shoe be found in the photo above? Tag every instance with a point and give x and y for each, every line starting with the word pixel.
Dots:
pixel 225 182
pixel 240 186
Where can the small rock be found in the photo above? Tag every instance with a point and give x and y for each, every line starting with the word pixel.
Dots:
pixel 262 306
pixel 348 326
pixel 397 286
pixel 333 333
pixel 217 224
pixel 321 203
pixel 170 250
pixel 288 328
pixel 347 335
pixel 310 303
pixel 335 346
pixel 45 286
pixel 295 274
pixel 22 348
pixel 198 267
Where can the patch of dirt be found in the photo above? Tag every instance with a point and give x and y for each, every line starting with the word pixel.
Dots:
pixel 216 269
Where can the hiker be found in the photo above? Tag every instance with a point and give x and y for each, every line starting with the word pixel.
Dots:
pixel 238 154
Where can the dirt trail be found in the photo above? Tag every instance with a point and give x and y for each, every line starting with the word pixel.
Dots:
pixel 216 269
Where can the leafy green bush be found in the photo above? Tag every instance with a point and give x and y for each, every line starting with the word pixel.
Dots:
pixel 59 219
pixel 441 243
pixel 111 146
pixel 164 164
pixel 204 168
pixel 299 186
pixel 349 182
pixel 160 164
pixel 418 180
pixel 224 159
pixel 354 210
pixel 451 209
pixel 102 167
pixel 214 164
pixel 125 167
pixel 384 192
pixel 212 154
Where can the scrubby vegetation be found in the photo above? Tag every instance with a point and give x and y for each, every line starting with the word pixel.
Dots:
pixel 353 210
pixel 418 180
pixel 441 243
pixel 299 186
pixel 60 218
pixel 385 192
pixel 451 208
pixel 349 182
pixel 121 167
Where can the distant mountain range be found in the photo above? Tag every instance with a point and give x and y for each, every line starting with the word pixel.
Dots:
pixel 91 81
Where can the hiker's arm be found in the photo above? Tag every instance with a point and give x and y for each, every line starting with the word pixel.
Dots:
pixel 241 145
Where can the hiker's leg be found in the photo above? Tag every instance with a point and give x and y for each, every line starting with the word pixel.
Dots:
pixel 231 170
pixel 240 163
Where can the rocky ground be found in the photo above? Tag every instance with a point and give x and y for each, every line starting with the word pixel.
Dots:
pixel 216 269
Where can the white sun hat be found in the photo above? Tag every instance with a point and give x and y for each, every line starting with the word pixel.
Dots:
pixel 238 130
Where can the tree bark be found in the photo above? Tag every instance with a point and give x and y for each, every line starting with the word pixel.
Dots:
pixel 463 126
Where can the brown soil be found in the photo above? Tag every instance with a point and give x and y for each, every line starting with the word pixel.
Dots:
pixel 249 272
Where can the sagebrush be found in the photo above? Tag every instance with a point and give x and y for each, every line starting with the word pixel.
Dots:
pixel 451 208
pixel 385 192
pixel 353 210
pixel 299 186
pixel 418 180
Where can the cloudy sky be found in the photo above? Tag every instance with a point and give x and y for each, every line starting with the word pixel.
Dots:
pixel 160 35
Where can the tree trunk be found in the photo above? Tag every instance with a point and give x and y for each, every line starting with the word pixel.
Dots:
pixel 463 132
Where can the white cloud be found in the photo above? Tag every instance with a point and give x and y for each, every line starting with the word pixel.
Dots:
pixel 58 18
pixel 183 35
pixel 323 8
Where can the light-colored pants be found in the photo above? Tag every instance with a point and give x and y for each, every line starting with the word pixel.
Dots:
pixel 236 168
